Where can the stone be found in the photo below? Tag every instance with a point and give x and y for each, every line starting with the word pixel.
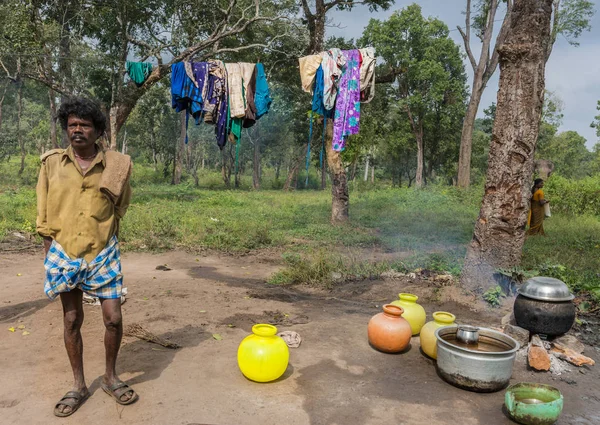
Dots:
pixel 509 319
pixel 392 274
pixel 557 366
pixel 565 353
pixel 444 278
pixel 519 334
pixel 537 356
pixel 571 342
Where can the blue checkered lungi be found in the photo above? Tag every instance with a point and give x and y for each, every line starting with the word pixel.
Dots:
pixel 101 278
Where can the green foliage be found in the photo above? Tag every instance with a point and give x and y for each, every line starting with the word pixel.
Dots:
pixel 572 18
pixel 493 296
pixel 430 91
pixel 574 197
pixel 569 154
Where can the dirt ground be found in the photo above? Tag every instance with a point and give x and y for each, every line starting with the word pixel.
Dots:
pixel 334 377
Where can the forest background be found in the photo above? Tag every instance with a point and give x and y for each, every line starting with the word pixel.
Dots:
pixel 194 196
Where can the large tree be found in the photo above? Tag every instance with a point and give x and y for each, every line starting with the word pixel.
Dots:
pixel 570 19
pixel 430 76
pixel 500 228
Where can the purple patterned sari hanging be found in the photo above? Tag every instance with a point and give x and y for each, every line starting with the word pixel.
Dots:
pixel 347 106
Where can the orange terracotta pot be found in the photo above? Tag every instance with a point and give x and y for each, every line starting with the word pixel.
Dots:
pixel 389 331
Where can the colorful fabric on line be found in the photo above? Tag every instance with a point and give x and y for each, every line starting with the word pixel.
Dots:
pixel 317 103
pixel 333 65
pixel 308 70
pixel 262 97
pixel 200 73
pixel 249 79
pixel 184 93
pixel 100 278
pixel 367 74
pixel 218 95
pixel 215 90
pixel 237 106
pixel 347 108
pixel 139 71
pixel 190 72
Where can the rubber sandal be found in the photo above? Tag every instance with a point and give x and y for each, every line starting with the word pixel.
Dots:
pixel 72 399
pixel 118 390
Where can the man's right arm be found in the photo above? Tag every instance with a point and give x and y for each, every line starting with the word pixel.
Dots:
pixel 42 198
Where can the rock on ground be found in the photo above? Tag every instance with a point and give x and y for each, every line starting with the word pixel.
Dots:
pixel 571 356
pixel 519 334
pixel 571 342
pixel 538 357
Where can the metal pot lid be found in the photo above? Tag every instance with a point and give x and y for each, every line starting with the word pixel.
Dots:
pixel 546 289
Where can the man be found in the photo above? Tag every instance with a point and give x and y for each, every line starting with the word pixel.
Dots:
pixel 78 217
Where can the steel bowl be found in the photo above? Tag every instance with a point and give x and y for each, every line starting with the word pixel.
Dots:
pixel 467 334
pixel 472 369
pixel 546 289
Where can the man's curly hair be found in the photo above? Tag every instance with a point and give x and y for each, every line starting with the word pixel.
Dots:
pixel 84 108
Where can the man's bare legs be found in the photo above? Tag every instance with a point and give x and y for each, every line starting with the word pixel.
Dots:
pixel 73 319
pixel 111 313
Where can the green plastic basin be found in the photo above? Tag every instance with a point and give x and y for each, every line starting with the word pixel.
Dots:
pixel 533 404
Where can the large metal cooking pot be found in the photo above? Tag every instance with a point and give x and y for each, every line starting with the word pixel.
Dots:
pixel 471 368
pixel 544 306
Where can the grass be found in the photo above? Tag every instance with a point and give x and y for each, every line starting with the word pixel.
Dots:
pixel 431 227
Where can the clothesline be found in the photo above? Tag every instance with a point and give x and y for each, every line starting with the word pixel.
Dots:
pixel 231 96
pixel 339 80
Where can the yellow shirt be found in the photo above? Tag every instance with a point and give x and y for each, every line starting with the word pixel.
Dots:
pixel 70 207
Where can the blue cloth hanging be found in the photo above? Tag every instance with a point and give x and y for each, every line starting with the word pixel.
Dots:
pixel 262 98
pixel 317 101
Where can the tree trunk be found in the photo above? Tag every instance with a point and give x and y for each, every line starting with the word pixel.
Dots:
pixel 420 165
pixel 256 162
pixel 466 138
pixel 372 174
pixel 124 143
pixel 324 174
pixel 226 164
pixel 499 232
pixel 179 152
pixel 339 188
pixel 2 102
pixel 19 116
pixel 293 174
pixel 53 119
pixel 277 170
pixel 354 167
pixel 366 168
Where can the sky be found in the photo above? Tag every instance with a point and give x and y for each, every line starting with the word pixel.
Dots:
pixel 572 73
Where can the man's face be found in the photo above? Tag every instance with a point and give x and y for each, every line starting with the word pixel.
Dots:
pixel 81 132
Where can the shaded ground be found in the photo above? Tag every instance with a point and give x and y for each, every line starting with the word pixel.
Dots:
pixel 333 378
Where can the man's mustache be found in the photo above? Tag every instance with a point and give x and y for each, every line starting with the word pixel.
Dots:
pixel 78 136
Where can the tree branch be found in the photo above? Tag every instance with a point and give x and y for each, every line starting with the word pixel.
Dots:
pixel 306 8
pixel 493 63
pixel 555 28
pixel 467 44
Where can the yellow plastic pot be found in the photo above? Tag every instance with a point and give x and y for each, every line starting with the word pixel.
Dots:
pixel 413 312
pixel 428 340
pixel 263 356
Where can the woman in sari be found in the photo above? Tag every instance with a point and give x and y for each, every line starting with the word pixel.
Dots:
pixel 537 213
